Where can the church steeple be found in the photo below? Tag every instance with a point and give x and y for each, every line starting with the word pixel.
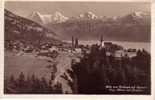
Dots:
pixel 101 40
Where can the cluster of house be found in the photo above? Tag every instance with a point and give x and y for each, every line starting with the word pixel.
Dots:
pixel 18 46
pixel 118 51
pixel 50 50
pixel 111 49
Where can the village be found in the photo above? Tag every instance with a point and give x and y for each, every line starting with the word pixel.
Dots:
pixel 49 49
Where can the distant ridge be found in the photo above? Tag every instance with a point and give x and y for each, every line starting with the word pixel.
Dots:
pixel 135 26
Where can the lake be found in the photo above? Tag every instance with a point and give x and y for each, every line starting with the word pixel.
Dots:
pixel 124 44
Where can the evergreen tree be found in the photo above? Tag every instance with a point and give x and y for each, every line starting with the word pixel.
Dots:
pixel 21 80
pixel 12 79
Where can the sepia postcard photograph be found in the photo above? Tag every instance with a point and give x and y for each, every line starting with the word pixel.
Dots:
pixel 77 48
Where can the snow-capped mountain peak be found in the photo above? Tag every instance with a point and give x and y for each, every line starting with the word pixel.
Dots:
pixel 58 17
pixel 115 18
pixel 40 18
pixel 35 14
pixel 88 15
pixel 58 13
pixel 139 14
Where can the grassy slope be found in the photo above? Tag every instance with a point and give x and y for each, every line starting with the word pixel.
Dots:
pixel 29 64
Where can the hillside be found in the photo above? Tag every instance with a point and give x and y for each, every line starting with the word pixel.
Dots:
pixel 22 29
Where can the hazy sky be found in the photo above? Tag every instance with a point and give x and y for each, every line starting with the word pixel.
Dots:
pixel 75 8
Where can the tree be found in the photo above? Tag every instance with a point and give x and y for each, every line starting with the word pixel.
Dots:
pixel 12 79
pixel 76 42
pixel 21 80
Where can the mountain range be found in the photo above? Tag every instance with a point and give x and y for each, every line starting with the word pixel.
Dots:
pixel 58 17
pixel 135 26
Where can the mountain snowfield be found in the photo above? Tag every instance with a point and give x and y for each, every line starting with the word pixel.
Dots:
pixel 139 14
pixel 88 15
pixel 118 28
pixel 57 17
